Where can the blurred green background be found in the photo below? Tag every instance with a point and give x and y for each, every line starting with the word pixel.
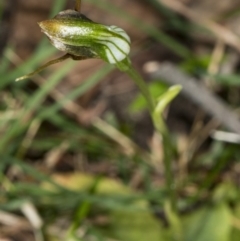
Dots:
pixel 79 159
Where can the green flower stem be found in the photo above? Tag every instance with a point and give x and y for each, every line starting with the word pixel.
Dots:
pixel 161 128
pixel 126 66
pixel 143 88
pixel 159 125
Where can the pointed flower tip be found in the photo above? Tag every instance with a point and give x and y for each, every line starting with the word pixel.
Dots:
pixel 18 79
pixel 50 27
pixel 41 25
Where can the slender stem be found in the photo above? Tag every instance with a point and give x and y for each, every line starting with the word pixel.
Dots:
pixel 51 62
pixel 162 129
pixel 143 88
pixel 78 5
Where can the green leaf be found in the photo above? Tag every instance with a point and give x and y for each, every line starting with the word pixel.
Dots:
pixel 230 79
pixel 166 98
pixel 174 221
pixel 236 231
pixel 136 226
pixel 209 224
pixel 196 65
pixel 132 222
pixel 156 89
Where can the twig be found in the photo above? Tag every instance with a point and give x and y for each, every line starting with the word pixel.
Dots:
pixel 13 220
pixel 78 5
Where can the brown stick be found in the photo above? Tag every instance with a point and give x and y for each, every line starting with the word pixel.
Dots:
pixel 78 5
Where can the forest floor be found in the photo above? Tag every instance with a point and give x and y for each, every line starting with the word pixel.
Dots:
pixel 100 143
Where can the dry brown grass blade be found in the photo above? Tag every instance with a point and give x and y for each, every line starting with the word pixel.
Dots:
pixel 10 219
pixel 215 63
pixel 31 213
pixel 128 146
pixel 219 31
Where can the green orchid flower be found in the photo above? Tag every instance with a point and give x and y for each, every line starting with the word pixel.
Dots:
pixel 81 38
pixel 74 33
